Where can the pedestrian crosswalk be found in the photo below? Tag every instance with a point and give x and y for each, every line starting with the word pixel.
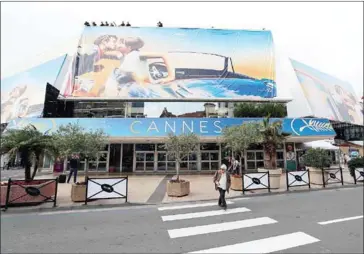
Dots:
pixel 189 222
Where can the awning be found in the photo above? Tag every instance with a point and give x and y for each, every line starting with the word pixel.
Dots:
pixel 323 144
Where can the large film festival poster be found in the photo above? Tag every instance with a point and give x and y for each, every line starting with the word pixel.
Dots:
pixel 174 63
pixel 23 94
pixel 327 96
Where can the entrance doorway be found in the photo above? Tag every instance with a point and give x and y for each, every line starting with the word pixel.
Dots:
pixel 128 154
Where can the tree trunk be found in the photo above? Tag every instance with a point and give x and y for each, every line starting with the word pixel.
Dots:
pixel 27 166
pixel 240 166
pixel 274 159
pixel 36 164
pixel 177 169
pixel 86 170
pixel 267 159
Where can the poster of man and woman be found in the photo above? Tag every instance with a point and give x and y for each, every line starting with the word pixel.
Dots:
pixel 23 94
pixel 328 96
pixel 173 63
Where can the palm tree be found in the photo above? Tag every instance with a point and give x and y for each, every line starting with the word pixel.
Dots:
pixel 271 135
pixel 30 143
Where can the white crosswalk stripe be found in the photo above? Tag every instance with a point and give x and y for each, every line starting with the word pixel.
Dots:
pixel 219 227
pixel 178 207
pixel 184 216
pixel 266 245
pixel 210 209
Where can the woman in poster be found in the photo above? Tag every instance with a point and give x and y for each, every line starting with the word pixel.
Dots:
pixel 290 157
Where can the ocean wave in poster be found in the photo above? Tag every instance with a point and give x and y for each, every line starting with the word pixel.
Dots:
pixel 202 88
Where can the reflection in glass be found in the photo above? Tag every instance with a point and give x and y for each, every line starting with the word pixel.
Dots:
pixel 171 166
pixel 251 155
pixel 259 155
pixel 149 166
pixel 139 166
pixel 149 156
pixel 205 166
pixel 214 165
pixel 251 165
pixel 260 164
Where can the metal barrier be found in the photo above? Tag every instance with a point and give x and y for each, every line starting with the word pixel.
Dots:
pixel 298 178
pixel 256 181
pixel 334 176
pixel 358 175
pixel 20 192
pixel 106 188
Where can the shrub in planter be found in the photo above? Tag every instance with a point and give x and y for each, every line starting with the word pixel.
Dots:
pixel 355 163
pixel 78 192
pixel 317 159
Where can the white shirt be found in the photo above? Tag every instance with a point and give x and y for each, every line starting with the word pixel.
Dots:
pixel 131 62
pixel 222 182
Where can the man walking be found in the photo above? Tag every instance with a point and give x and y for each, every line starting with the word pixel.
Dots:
pixel 222 184
pixel 74 163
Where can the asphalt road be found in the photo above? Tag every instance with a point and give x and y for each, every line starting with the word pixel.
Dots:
pixel 287 223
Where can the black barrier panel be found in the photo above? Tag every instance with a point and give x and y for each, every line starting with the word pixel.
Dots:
pixel 20 192
pixel 106 188
pixel 333 176
pixel 298 178
pixel 358 175
pixel 256 181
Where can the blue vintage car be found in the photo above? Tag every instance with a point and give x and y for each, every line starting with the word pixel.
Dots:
pixel 217 79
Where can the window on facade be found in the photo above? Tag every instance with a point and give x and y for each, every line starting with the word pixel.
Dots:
pixel 210 146
pixel 144 147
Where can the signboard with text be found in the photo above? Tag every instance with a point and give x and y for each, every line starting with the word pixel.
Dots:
pixel 161 127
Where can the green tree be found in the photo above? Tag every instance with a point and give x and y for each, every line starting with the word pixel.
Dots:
pixel 30 143
pixel 239 138
pixel 179 147
pixel 317 157
pixel 249 109
pixel 72 138
pixel 271 135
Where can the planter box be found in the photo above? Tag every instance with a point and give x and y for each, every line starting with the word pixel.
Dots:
pixel 274 177
pixel 78 192
pixel 4 189
pixel 178 189
pixel 316 175
pixel 19 196
pixel 236 183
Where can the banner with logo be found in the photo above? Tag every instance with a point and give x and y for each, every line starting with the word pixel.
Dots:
pixel 328 96
pixel 161 127
pixel 23 94
pixel 173 64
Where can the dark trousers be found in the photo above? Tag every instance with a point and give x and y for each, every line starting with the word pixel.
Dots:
pixel 222 201
pixel 74 172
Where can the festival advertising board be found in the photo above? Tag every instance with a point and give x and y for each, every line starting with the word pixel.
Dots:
pixel 161 127
pixel 23 94
pixel 328 96
pixel 173 64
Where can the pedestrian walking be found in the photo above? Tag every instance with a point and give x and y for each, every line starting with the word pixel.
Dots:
pixel 74 163
pixel 222 184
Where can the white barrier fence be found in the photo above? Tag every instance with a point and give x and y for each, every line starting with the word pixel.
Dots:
pixel 256 181
pixel 106 188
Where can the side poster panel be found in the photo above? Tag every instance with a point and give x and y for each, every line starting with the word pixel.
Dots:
pixel 23 94
pixel 328 96
pixel 174 64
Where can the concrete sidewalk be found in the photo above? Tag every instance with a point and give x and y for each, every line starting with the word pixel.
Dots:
pixel 151 189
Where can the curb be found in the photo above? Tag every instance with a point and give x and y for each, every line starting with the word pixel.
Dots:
pixel 11 210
